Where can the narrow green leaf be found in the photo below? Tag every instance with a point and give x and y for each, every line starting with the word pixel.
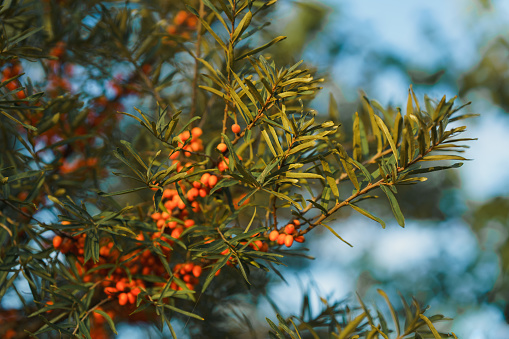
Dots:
pixel 337 235
pixel 261 48
pixel 108 319
pixel 394 205
pixel 431 327
pixel 367 214
pixel 388 136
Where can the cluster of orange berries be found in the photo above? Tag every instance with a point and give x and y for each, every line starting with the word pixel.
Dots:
pixel 188 273
pixel 287 235
pixel 191 142
pixel 183 24
pixel 125 291
pixel 11 71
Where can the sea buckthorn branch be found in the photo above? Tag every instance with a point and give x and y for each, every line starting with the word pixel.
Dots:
pixel 370 186
pixel 389 150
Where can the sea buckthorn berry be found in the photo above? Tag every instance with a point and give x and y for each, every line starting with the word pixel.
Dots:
pixel 156 216
pixel 289 229
pixel 258 245
pixel 203 192
pixel 174 155
pixel 131 298
pixel 222 147
pixel 288 240
pixel 180 18
pixel 212 181
pixel 197 271
pixel 281 239
pixel 273 235
pixel 196 132
pixel 188 267
pixel 57 241
pixel 185 135
pixel 236 128
pixel 120 286
pixel 189 222
pixel 171 29
pixel 122 299
pixel 205 179
pixel 191 21
pixel 296 223
pixel 300 238
pixel 135 291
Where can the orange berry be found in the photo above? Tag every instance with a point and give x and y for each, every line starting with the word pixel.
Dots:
pixel 191 21
pixel 120 286
pixel 203 192
pixel 212 181
pixel 235 128
pixel 196 132
pixel 188 267
pixel 185 135
pixel 131 298
pixel 174 155
pixel 57 241
pixel 289 229
pixel 122 299
pixel 110 290
pixel 171 29
pixel 288 240
pixel 222 147
pixel 258 244
pixel 197 271
pixel 273 235
pixel 205 178
pixel 189 222
pixel 296 223
pixel 135 291
pixel 281 239
pixel 180 18
pixel 300 238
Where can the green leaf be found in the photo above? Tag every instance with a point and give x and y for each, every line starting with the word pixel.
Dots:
pixel 108 319
pixel 32 128
pixel 388 136
pixel 394 205
pixel 431 327
pixel 357 151
pixel 243 25
pixel 352 326
pixel 211 31
pixel 442 157
pixel 337 235
pixel 189 314
pixel 367 214
pixel 103 194
pixel 391 308
pixel 348 167
pixel 261 48
pixel 305 175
